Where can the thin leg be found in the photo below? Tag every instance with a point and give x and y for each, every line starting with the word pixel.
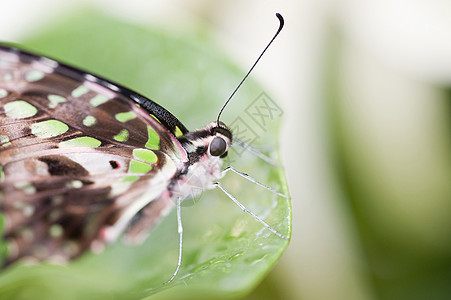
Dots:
pixel 180 231
pixel 244 175
pixel 249 212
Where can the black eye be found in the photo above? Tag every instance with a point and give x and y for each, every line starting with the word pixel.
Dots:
pixel 217 146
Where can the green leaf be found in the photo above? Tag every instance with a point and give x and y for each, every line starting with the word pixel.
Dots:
pixel 225 251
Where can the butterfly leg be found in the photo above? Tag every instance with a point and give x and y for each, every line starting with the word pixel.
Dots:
pixel 245 176
pixel 180 231
pixel 249 212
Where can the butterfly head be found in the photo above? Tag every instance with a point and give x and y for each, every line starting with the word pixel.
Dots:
pixel 211 142
pixel 205 149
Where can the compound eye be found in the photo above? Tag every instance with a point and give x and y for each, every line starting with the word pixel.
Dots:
pixel 218 146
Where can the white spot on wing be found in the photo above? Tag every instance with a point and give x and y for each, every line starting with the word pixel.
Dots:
pixel 74 184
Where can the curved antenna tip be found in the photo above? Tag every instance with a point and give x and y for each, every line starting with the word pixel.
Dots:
pixel 281 23
pixel 281 20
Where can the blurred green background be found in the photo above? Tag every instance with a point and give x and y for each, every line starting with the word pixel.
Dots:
pixel 364 86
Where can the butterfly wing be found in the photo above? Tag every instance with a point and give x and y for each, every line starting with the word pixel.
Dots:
pixel 79 159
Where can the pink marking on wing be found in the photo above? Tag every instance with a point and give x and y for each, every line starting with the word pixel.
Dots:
pixel 10 57
pixel 93 86
pixel 102 233
pixel 97 246
pixel 45 65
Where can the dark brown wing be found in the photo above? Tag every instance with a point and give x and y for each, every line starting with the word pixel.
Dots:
pixel 78 158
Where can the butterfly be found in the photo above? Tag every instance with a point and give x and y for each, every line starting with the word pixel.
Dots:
pixel 84 160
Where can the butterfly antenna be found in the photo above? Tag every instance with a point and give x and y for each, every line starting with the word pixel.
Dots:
pixel 281 23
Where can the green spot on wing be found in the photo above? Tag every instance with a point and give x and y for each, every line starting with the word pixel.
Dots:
pixel 155 118
pixel 83 141
pixel 49 128
pixel 178 132
pixel 20 109
pixel 55 100
pixel 89 121
pixel 98 100
pixel 81 90
pixel 34 76
pixel 125 116
pixel 122 136
pixel 56 231
pixel 153 140
pixel 139 167
pixel 131 178
pixel 145 155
